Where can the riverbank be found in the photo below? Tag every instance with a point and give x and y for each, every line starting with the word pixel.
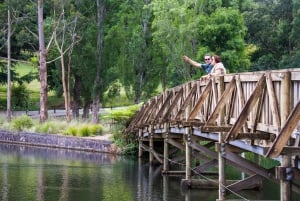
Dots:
pixel 92 144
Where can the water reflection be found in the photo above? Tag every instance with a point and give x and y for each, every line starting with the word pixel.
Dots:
pixel 44 174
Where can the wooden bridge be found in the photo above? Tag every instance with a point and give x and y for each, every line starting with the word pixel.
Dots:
pixel 215 121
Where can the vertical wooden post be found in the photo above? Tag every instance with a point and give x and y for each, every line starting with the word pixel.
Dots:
pixel 165 187
pixel 221 162
pixel 140 143
pixel 188 155
pixel 166 148
pixel 188 150
pixel 221 152
pixel 285 108
pixel 151 145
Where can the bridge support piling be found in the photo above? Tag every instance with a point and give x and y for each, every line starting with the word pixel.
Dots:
pixel 221 161
pixel 285 101
pixel 151 145
pixel 285 184
pixel 188 174
pixel 140 143
pixel 166 148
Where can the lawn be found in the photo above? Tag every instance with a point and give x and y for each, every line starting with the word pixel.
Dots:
pixel 53 101
pixel 33 87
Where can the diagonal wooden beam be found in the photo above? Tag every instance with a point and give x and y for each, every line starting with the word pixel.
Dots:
pixel 176 144
pixel 241 98
pixel 203 167
pixel 155 154
pixel 257 111
pixel 166 115
pixel 253 181
pixel 163 107
pixel 273 102
pixel 145 113
pixel 221 103
pixel 248 166
pixel 201 100
pixel 256 94
pixel 153 109
pixel 287 130
pixel 186 102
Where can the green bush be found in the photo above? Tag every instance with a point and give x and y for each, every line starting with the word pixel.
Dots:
pixel 19 97
pixel 84 131
pixel 71 130
pixel 49 127
pixel 22 122
pixel 96 129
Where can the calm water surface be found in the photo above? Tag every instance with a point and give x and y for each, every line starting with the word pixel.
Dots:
pixel 41 174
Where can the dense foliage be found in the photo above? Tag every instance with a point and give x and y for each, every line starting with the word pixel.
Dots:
pixel 143 41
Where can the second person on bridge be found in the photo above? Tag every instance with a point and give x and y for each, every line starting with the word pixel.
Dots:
pixel 213 66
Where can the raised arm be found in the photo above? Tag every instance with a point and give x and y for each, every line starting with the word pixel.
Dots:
pixel 190 61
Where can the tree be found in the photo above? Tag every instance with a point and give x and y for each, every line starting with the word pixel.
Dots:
pixel 98 79
pixel 8 109
pixel 130 51
pixel 272 27
pixel 42 64
pixel 65 38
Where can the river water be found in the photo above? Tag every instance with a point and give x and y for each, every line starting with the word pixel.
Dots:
pixel 44 174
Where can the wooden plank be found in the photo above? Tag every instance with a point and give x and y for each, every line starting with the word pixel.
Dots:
pixel 155 154
pixel 186 102
pixel 246 165
pixel 192 123
pixel 152 109
pixel 203 149
pixel 201 100
pixel 287 130
pixel 163 107
pixel 247 109
pixel 176 144
pixel 214 92
pixel 215 128
pixel 251 182
pixel 273 102
pixel 242 99
pixel 255 136
pixel 172 106
pixel 203 167
pixel 221 103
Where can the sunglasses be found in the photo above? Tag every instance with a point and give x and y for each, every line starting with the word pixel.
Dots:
pixel 207 59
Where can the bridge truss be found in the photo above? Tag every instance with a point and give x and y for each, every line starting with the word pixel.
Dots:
pixel 218 120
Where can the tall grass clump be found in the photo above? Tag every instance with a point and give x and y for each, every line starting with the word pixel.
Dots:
pixel 84 130
pixel 52 127
pixel 21 123
pixel 71 130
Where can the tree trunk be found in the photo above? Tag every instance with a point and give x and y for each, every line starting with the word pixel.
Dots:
pixel 8 111
pixel 98 80
pixel 145 20
pixel 86 109
pixel 76 96
pixel 64 83
pixel 42 65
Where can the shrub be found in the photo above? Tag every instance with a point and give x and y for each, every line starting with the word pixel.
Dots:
pixel 48 127
pixel 19 97
pixel 22 122
pixel 84 131
pixel 71 130
pixel 96 129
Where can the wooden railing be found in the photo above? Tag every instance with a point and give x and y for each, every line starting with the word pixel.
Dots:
pixel 260 107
